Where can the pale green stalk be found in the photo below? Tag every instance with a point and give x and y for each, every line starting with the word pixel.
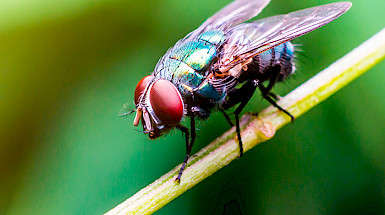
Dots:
pixel 256 130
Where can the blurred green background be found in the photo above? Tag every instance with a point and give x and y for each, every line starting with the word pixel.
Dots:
pixel 66 68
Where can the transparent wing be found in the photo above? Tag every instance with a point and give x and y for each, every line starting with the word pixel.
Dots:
pixel 234 13
pixel 250 39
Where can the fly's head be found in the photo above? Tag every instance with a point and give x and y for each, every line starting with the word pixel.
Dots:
pixel 159 105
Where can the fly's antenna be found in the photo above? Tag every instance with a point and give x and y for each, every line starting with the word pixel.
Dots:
pixel 126 113
pixel 144 132
pixel 126 110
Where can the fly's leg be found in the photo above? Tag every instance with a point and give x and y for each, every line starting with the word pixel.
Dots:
pixel 189 143
pixel 252 85
pixel 185 133
pixel 276 97
pixel 271 101
pixel 266 91
pixel 240 96
pixel 226 116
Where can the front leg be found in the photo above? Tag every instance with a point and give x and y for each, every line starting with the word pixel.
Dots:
pixel 189 143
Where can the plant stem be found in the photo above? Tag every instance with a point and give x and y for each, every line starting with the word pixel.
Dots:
pixel 256 129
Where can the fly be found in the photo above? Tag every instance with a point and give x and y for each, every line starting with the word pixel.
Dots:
pixel 221 64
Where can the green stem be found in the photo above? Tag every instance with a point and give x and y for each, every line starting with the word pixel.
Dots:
pixel 256 129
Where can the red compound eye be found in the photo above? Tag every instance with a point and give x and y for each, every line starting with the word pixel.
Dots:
pixel 140 87
pixel 166 102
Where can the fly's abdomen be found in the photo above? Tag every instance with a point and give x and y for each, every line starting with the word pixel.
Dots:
pixel 283 55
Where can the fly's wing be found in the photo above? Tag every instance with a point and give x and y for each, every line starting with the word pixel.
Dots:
pixel 250 39
pixel 234 13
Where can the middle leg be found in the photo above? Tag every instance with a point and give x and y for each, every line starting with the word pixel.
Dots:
pixel 240 96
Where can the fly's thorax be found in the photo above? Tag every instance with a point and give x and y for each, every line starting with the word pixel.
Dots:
pixel 186 64
pixel 159 106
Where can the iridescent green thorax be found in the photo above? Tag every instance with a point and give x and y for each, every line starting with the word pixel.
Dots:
pixel 187 62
